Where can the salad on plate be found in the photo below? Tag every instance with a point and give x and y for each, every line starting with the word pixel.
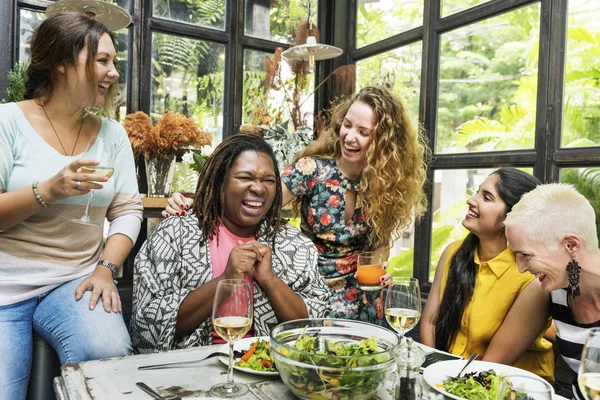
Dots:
pixel 482 385
pixel 258 357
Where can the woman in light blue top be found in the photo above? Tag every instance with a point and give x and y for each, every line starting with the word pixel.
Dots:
pixel 56 278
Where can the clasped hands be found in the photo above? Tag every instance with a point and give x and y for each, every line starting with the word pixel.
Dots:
pixel 252 258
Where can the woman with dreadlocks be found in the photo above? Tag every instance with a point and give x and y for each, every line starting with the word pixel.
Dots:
pixel 234 232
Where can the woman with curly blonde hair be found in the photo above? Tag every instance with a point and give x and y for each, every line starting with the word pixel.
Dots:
pixel 357 187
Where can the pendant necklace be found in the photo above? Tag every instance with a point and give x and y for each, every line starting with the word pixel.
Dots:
pixel 58 137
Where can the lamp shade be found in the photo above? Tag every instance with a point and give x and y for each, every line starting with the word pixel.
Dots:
pixel 111 15
pixel 312 49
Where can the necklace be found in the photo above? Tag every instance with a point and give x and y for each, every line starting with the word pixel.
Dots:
pixel 58 137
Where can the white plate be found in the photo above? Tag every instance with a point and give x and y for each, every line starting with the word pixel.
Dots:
pixel 437 373
pixel 243 345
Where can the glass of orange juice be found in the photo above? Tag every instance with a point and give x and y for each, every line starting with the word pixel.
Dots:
pixel 369 270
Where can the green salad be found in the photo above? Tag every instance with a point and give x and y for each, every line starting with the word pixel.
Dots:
pixel 258 357
pixel 341 370
pixel 475 385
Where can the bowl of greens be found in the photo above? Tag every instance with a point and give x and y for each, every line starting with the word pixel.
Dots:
pixel 333 358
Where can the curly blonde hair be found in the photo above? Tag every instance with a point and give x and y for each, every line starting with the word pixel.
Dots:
pixel 390 192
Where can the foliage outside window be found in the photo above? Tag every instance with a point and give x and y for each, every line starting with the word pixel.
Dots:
pixel 587 182
pixel 399 70
pixel 376 21
pixel 488 84
pixel 283 17
pixel 187 77
pixel 581 105
pixel 206 13
pixel 454 6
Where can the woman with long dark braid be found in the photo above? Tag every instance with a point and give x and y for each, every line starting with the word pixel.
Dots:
pixel 479 302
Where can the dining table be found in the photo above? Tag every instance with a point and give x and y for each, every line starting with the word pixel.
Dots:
pixel 116 378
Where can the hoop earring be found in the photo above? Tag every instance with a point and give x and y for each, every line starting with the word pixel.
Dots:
pixel 573 272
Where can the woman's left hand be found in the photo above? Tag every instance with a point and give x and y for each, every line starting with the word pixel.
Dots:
pixel 101 284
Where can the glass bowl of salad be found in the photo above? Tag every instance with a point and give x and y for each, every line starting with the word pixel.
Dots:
pixel 333 358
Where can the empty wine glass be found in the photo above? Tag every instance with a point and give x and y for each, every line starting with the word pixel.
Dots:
pixel 103 151
pixel 589 367
pixel 232 319
pixel 403 304
pixel 524 387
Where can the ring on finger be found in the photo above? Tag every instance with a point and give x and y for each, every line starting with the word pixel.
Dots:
pixel 78 185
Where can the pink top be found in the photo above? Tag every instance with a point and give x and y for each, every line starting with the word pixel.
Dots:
pixel 219 255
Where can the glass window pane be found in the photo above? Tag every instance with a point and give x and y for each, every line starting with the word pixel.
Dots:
pixel 122 47
pixel 488 84
pixel 377 20
pixel 276 106
pixel 451 190
pixel 29 20
pixel 187 77
pixel 581 105
pixel 587 182
pixel 207 13
pixel 277 20
pixel 399 70
pixel 402 253
pixel 454 6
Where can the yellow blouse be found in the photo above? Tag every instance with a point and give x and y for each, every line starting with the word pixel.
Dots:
pixel 498 282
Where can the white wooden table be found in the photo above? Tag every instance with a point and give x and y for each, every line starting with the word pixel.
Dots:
pixel 115 378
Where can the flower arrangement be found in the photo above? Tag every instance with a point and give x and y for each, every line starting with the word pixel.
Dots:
pixel 172 132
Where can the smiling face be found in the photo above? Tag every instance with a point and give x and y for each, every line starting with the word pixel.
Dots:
pixel 487 210
pixel 356 133
pixel 80 84
pixel 532 256
pixel 249 193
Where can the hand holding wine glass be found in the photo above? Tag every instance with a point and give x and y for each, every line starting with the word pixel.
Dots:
pixel 104 152
pixel 232 319
pixel 589 367
pixel 403 304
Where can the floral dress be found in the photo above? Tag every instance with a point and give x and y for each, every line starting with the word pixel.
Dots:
pixel 322 189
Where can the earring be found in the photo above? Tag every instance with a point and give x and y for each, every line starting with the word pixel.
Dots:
pixel 573 270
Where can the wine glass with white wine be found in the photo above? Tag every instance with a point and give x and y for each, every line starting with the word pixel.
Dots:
pixel 232 319
pixel 104 151
pixel 403 305
pixel 589 366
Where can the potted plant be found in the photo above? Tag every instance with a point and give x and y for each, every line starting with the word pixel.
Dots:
pixel 159 144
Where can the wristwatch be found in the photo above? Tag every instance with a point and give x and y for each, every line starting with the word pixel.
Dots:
pixel 111 266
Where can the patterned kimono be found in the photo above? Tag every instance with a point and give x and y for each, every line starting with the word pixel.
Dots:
pixel 172 263
pixel 322 189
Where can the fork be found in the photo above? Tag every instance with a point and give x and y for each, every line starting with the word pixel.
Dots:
pixel 152 393
pixel 177 364
pixel 471 359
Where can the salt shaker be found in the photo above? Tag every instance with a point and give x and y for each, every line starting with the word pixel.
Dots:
pixel 409 358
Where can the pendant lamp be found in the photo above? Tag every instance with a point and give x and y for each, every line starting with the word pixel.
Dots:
pixel 111 15
pixel 312 50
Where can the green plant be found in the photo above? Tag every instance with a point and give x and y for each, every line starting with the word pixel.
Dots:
pixel 16 83
pixel 286 143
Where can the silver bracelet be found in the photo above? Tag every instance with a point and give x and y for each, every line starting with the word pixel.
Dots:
pixel 110 266
pixel 36 193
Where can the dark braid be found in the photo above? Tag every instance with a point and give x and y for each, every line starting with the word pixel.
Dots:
pixel 209 202
pixel 511 185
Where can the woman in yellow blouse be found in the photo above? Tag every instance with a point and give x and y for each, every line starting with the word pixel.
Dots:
pixel 479 302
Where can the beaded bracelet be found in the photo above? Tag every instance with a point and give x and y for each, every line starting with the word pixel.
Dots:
pixel 37 195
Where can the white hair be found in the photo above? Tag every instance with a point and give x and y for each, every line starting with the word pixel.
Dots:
pixel 550 211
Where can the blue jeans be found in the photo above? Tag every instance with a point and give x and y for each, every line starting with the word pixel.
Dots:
pixel 74 331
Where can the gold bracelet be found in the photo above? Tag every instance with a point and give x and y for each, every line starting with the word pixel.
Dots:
pixel 36 193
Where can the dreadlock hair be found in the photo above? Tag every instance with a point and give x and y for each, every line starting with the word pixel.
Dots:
pixel 209 202
pixel 511 185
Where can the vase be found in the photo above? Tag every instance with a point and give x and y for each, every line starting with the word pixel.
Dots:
pixel 159 174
